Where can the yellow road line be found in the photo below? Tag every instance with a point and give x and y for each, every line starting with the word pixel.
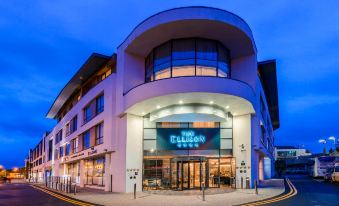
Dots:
pixel 293 191
pixel 62 197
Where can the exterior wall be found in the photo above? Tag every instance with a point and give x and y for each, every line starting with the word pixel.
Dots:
pixel 242 147
pixel 123 131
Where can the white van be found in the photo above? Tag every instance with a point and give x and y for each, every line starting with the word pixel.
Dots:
pixel 335 174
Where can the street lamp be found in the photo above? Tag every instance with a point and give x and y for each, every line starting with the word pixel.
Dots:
pixel 322 141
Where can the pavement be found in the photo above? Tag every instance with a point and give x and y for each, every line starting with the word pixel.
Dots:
pixel 233 197
pixel 300 191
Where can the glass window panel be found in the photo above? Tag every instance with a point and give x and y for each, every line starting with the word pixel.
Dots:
pixel 226 133
pixel 206 71
pixel 150 133
pixel 86 139
pixel 223 61
pixel 163 74
pixel 206 49
pixel 183 62
pixel 226 144
pixel 204 125
pixel 150 144
pixel 162 54
pixel 183 71
pixel 149 124
pixel 149 67
pixel 227 123
pixel 183 49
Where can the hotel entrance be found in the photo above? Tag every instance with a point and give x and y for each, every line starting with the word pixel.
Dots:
pixel 188 173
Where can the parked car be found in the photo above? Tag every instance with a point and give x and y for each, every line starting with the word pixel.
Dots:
pixel 335 174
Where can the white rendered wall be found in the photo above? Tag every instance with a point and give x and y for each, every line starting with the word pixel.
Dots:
pixel 134 151
pixel 242 135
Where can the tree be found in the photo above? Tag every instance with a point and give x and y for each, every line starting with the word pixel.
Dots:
pixel 330 151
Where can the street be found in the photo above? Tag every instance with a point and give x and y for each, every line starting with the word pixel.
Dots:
pixel 311 193
pixel 22 194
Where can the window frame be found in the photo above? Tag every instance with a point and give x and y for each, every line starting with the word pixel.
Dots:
pixel 150 72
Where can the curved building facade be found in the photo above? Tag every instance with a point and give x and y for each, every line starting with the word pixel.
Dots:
pixel 183 104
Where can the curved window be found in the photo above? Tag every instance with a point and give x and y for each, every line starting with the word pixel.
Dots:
pixel 187 57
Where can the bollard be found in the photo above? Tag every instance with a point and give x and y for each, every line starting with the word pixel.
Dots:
pixel 256 186
pixel 247 183
pixel 242 182
pixel 111 183
pixel 203 191
pixel 135 191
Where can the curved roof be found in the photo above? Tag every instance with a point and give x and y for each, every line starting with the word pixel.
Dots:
pixel 198 21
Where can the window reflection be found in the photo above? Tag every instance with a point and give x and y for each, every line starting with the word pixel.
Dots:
pixel 187 57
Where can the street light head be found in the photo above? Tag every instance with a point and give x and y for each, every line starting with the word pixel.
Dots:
pixel 332 138
pixel 322 141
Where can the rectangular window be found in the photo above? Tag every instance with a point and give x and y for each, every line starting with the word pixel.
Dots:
pixel 58 137
pixel 86 139
pixel 75 145
pixel 87 113
pixel 61 151
pixel 68 149
pixel 50 149
pixel 74 124
pixel 100 104
pixel 99 134
pixel 56 154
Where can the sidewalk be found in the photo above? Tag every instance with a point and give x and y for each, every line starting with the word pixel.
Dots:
pixel 236 197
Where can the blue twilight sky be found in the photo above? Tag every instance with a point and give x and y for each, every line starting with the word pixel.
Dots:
pixel 43 43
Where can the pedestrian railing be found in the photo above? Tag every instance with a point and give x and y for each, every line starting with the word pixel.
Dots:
pixel 63 184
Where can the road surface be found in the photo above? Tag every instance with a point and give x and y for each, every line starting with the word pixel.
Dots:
pixel 311 193
pixel 22 194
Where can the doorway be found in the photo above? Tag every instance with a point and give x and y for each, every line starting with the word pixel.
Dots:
pixel 188 173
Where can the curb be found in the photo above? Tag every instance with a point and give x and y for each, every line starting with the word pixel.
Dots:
pixel 63 197
pixel 290 191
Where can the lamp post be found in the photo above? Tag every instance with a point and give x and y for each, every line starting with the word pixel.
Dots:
pixel 322 141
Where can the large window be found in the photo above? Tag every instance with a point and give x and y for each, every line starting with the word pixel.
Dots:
pixel 100 104
pixel 68 149
pixel 99 134
pixel 187 57
pixel 75 145
pixel 58 137
pixel 170 166
pixel 95 171
pixel 86 140
pixel 61 151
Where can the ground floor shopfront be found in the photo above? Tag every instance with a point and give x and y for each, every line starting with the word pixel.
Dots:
pixel 188 155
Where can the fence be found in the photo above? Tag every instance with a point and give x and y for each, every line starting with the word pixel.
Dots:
pixel 63 184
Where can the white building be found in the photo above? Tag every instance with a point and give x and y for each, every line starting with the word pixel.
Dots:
pixel 183 102
pixel 285 152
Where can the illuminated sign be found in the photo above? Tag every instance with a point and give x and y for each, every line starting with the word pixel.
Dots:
pixel 187 139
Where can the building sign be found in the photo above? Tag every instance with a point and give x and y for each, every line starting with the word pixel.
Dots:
pixel 188 138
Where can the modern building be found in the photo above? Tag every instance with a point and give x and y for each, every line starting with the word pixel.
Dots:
pixel 286 152
pixel 183 103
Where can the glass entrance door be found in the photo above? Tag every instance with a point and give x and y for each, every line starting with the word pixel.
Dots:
pixel 187 173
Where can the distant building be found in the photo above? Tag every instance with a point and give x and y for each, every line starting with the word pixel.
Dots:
pixel 283 152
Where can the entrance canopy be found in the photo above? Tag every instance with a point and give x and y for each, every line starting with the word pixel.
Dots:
pixel 218 105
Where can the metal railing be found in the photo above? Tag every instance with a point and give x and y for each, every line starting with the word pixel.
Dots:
pixel 63 184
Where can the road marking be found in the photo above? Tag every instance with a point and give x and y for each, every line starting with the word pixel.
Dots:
pixel 63 197
pixel 293 191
